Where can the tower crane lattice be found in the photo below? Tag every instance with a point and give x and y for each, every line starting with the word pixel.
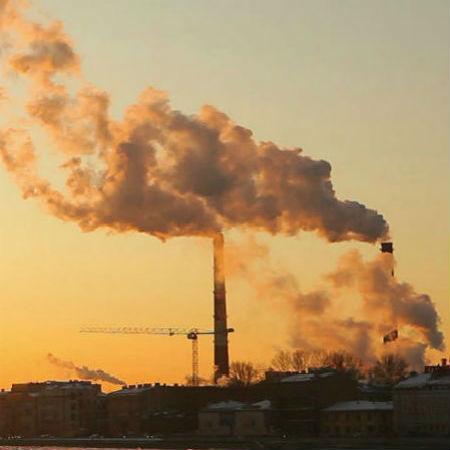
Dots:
pixel 191 333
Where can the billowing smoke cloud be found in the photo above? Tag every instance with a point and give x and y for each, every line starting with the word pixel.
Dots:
pixel 157 170
pixel 354 307
pixel 387 298
pixel 83 372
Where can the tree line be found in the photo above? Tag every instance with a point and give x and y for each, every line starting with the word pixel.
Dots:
pixel 388 370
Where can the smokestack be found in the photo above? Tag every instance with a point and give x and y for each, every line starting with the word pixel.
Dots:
pixel 388 247
pixel 221 364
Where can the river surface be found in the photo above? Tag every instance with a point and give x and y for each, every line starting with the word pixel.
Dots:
pixel 22 447
pixel 254 445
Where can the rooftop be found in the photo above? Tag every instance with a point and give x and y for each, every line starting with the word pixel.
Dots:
pixel 302 377
pixel 423 380
pixel 231 405
pixel 361 405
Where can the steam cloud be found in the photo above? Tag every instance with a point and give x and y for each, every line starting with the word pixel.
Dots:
pixel 83 372
pixel 159 171
pixel 353 308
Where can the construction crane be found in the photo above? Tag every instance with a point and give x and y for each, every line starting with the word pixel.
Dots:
pixel 191 333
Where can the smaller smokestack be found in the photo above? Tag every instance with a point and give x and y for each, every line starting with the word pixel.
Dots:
pixel 387 247
pixel 444 362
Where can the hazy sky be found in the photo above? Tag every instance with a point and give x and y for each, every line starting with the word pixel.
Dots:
pixel 363 85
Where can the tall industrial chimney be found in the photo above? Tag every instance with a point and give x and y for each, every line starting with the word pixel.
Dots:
pixel 221 364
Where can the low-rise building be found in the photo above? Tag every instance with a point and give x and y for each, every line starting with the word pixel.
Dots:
pixel 64 408
pixel 358 418
pixel 422 403
pixel 298 399
pixel 79 408
pixel 231 418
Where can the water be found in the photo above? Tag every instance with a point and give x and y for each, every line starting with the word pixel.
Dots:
pixel 23 447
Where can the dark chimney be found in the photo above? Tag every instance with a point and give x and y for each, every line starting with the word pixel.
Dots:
pixel 221 364
pixel 387 247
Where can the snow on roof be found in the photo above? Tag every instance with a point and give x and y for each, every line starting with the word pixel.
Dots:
pixel 361 405
pixel 234 405
pixel 128 391
pixel 416 381
pixel 263 404
pixel 228 404
pixel 445 381
pixel 302 377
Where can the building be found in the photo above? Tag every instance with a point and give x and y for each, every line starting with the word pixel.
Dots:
pixel 358 418
pixel 422 403
pixel 275 376
pixel 56 408
pixel 231 418
pixel 156 408
pixel 79 408
pixel 374 392
pixel 298 399
pixel 18 413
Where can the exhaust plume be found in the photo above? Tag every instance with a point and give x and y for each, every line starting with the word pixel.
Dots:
pixel 353 308
pixel 159 171
pixel 83 372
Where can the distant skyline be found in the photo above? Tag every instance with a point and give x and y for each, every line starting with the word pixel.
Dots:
pixel 362 85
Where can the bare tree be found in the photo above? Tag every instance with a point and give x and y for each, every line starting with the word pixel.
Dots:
pixel 344 362
pixel 389 369
pixel 300 360
pixel 317 358
pixel 282 361
pixel 243 373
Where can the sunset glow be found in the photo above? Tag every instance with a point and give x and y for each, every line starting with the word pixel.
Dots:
pixel 132 132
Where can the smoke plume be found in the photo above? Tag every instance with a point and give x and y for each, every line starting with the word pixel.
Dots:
pixel 83 372
pixel 352 309
pixel 159 171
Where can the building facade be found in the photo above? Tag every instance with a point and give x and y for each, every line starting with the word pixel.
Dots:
pixel 422 403
pixel 52 408
pixel 358 418
pixel 231 418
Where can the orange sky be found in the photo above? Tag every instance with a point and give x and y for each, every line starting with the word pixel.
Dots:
pixel 364 88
